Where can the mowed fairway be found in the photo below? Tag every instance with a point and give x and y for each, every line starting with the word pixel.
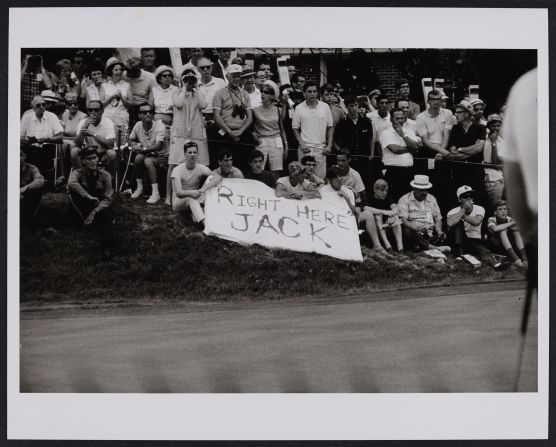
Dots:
pixel 423 340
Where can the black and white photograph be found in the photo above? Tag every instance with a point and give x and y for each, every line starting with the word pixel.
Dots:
pixel 262 222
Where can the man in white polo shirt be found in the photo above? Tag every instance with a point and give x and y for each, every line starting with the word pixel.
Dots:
pixel 399 144
pixel 313 128
pixel 208 85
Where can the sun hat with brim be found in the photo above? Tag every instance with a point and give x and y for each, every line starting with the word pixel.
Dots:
pixel 162 69
pixel 113 61
pixel 465 105
pixel 477 101
pixel 186 71
pixel 49 95
pixel 274 87
pixel 247 71
pixel 494 117
pixel 421 182
pixel 234 68
pixel 463 190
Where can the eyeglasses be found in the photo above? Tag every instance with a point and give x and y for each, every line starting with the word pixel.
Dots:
pixel 146 112
pixel 93 110
pixel 267 92
pixel 205 67
pixel 166 75
pixel 40 104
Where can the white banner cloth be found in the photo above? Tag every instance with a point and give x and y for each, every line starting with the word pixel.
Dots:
pixel 248 211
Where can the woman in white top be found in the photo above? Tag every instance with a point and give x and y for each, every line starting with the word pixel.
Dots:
pixel 269 129
pixel 115 96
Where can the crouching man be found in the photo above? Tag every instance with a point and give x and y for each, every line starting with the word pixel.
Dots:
pixel 91 193
pixel 187 178
pixel 30 190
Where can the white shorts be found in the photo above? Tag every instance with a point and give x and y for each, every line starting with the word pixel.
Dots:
pixel 273 150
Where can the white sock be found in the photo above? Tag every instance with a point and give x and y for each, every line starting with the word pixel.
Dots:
pixel 154 187
pixel 140 183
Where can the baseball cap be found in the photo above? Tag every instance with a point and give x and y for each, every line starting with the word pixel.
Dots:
pixel 464 189
pixel 234 68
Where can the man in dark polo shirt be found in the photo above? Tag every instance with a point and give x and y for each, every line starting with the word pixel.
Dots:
pixel 466 144
pixel 355 132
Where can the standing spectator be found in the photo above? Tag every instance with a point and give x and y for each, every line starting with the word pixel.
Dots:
pixel 398 147
pixel 94 90
pixel 140 84
pixel 479 107
pixel 256 171
pixel 160 97
pixel 466 144
pixel 34 79
pixel 248 82
pixel 116 91
pixel 292 71
pixel 233 116
pixel 380 118
pixel 64 82
pixel 147 140
pixel 409 123
pixel 494 146
pixel 434 126
pixel 187 179
pixel 504 235
pixel 372 96
pixel 327 95
pixel 226 169
pixel 222 62
pixel 295 185
pixel 269 129
pixel 421 218
pixel 351 178
pixel 91 193
pixel 71 117
pixel 464 223
pixel 355 132
pixel 188 124
pixel 208 86
pixel 30 190
pixel 98 131
pixel 260 77
pixel 196 53
pixel 403 94
pixel 148 59
pixel 265 66
pixel 298 83
pixel 313 128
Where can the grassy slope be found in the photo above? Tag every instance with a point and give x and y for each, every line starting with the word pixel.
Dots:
pixel 160 257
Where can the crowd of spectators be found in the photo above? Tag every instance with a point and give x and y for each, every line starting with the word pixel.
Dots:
pixel 415 180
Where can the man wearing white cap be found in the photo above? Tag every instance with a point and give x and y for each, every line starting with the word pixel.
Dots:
pixel 465 222
pixel 248 82
pixel 479 107
pixel 233 116
pixel 492 158
pixel 421 218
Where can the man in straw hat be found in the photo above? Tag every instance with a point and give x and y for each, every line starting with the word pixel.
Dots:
pixel 421 218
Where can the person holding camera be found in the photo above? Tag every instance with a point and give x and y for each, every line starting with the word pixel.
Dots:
pixel 188 125
pixel 34 79
pixel 233 117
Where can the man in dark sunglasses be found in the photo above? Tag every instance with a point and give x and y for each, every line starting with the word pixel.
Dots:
pixel 96 130
pixel 147 140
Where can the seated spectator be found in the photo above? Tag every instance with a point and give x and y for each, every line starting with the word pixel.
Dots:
pixel 464 223
pixel 91 193
pixel 71 117
pixel 30 190
pixel 398 144
pixel 226 169
pixel 96 130
pixel 257 172
pixel 421 219
pixel 268 129
pixel 387 215
pixel 309 163
pixel 115 94
pixel 40 131
pixel 505 235
pixel 350 177
pixel 295 186
pixel 187 178
pixel 334 187
pixel 147 140
pixel 494 148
